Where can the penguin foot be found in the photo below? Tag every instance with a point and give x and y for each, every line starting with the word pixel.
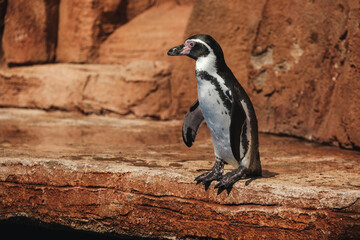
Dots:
pixel 229 180
pixel 214 175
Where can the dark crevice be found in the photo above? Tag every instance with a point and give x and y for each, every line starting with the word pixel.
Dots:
pixel 257 33
pixel 52 23
pixel 344 35
pixel 256 54
pixel 270 93
pixel 11 65
pixel 314 141
pixel 348 206
pixel 49 109
pixel 3 7
pixel 39 230
pixel 114 19
pixel 109 22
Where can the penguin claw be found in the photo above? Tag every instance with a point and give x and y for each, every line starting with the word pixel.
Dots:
pixel 207 185
pixel 221 187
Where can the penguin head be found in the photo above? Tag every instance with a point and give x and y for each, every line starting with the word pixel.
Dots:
pixel 197 46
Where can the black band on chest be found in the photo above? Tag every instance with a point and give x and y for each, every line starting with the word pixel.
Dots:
pixel 224 98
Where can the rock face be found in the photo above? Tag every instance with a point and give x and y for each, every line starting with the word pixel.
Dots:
pixel 136 177
pixel 140 88
pixel 298 60
pixel 85 25
pixel 30 32
pixel 148 36
pixel 315 64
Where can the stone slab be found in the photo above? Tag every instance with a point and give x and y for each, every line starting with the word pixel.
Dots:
pixel 140 89
pixel 135 177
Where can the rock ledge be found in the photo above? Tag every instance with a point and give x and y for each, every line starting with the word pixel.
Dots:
pixel 135 177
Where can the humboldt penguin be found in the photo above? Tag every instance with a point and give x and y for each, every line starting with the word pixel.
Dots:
pixel 227 110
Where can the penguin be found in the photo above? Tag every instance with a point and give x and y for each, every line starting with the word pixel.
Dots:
pixel 227 110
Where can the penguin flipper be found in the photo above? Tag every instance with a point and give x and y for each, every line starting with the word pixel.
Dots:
pixel 192 122
pixel 238 117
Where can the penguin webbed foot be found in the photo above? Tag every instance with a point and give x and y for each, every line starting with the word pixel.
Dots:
pixel 214 175
pixel 230 179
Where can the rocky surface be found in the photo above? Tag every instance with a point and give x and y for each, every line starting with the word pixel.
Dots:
pixel 135 177
pixel 140 89
pixel 137 30
pixel 148 36
pixel 298 60
pixel 83 25
pixel 30 31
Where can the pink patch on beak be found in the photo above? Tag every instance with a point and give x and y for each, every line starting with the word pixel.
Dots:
pixel 187 49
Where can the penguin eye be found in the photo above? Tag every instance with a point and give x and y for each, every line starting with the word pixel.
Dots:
pixel 191 44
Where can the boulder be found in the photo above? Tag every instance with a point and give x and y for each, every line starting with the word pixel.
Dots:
pixel 30 31
pixel 297 60
pixel 141 89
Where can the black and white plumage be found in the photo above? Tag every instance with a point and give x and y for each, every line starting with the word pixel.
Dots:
pixel 227 110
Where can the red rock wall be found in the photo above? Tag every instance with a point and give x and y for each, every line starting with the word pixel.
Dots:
pixel 83 26
pixel 298 60
pixel 30 31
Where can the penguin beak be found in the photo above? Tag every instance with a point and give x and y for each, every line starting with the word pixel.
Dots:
pixel 178 51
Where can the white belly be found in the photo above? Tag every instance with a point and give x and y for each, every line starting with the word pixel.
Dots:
pixel 217 117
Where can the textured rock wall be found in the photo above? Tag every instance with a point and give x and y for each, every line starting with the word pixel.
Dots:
pixel 85 24
pixel 298 60
pixel 75 30
pixel 148 36
pixel 30 31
